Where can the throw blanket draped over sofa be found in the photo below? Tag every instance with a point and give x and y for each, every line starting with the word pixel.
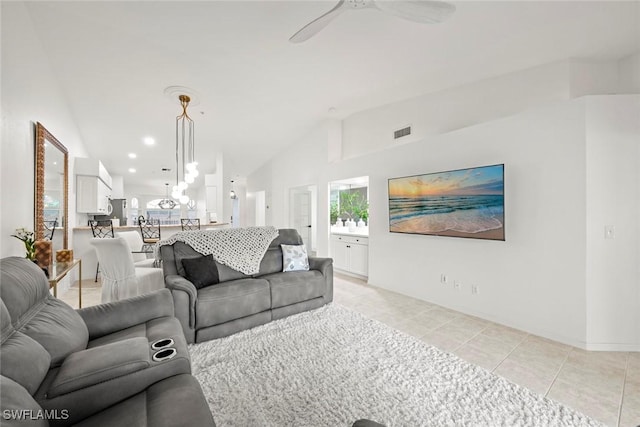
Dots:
pixel 240 301
pixel 239 248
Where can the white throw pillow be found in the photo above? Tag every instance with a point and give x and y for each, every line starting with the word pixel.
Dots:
pixel 294 258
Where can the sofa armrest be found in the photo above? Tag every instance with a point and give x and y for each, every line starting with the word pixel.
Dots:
pixel 325 266
pixel 93 380
pixel 115 316
pixel 100 364
pixel 178 283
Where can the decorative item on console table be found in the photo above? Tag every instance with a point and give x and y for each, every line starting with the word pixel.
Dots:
pixel 64 255
pixel 27 238
pixel 44 254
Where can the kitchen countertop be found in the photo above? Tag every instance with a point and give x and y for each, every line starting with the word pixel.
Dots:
pixel 344 231
pixel 162 226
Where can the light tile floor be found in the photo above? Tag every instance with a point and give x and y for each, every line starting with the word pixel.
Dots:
pixel 91 293
pixel 603 385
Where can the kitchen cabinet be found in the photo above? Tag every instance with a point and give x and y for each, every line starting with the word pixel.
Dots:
pixel 350 254
pixel 92 167
pixel 93 186
pixel 92 195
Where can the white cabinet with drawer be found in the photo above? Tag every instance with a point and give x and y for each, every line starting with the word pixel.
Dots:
pixel 350 254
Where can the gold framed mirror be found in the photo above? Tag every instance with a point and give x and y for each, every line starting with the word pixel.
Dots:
pixel 52 183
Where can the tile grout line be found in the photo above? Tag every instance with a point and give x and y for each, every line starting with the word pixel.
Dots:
pixel 470 338
pixel 624 386
pixel 511 352
pixel 555 377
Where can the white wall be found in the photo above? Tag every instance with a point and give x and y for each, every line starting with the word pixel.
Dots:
pixel 593 77
pixel 613 193
pixel 455 108
pixel 30 93
pixel 630 74
pixel 537 279
pixel 301 164
pixel 214 180
pixel 117 187
pixel 485 100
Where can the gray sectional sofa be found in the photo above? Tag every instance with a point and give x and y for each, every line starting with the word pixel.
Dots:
pixel 94 366
pixel 240 301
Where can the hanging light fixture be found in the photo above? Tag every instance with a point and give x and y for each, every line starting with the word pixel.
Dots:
pixel 167 203
pixel 232 193
pixel 186 165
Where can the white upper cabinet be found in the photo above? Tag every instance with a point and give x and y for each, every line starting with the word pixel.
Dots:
pixel 93 187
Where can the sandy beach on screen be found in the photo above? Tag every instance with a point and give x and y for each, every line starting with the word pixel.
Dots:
pixel 424 225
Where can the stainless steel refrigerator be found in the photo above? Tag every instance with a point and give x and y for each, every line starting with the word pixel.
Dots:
pixel 117 209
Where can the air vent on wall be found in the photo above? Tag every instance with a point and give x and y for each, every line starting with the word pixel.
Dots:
pixel 402 132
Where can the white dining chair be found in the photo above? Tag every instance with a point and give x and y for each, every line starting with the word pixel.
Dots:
pixel 135 242
pixel 120 278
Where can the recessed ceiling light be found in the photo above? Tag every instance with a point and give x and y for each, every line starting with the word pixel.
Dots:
pixel 132 170
pixel 149 141
pixel 132 155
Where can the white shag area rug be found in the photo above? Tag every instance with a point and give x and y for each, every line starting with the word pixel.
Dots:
pixel 332 366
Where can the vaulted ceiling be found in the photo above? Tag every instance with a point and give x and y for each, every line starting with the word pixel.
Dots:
pixel 258 93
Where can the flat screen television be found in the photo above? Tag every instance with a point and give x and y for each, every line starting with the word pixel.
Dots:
pixel 458 203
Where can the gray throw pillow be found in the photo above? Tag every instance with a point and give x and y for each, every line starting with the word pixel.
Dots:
pixel 201 271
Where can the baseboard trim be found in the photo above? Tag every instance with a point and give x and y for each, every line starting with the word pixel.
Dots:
pixel 350 274
pixel 612 347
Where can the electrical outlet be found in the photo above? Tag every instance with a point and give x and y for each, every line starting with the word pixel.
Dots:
pixel 457 285
pixel 444 279
pixel 475 289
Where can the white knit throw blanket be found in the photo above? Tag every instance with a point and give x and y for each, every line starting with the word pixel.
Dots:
pixel 239 248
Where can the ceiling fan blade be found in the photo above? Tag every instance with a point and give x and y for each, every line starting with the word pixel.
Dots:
pixel 428 12
pixel 315 26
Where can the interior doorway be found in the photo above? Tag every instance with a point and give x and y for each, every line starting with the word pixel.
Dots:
pixel 235 215
pixel 261 208
pixel 302 216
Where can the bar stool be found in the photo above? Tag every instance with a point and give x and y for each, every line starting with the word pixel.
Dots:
pixel 189 224
pixel 101 230
pixel 150 231
pixel 49 229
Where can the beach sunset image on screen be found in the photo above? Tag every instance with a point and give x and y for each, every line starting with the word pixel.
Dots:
pixel 458 203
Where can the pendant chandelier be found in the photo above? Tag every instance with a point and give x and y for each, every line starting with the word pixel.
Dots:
pixel 167 203
pixel 186 166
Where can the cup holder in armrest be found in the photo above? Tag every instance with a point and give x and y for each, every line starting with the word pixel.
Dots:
pixel 162 343
pixel 164 354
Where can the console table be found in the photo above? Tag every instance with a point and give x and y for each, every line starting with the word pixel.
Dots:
pixel 60 269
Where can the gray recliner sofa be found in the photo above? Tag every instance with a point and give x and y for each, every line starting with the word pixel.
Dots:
pixel 240 301
pixel 94 366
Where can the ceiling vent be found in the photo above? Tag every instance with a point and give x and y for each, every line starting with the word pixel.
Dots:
pixel 405 131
